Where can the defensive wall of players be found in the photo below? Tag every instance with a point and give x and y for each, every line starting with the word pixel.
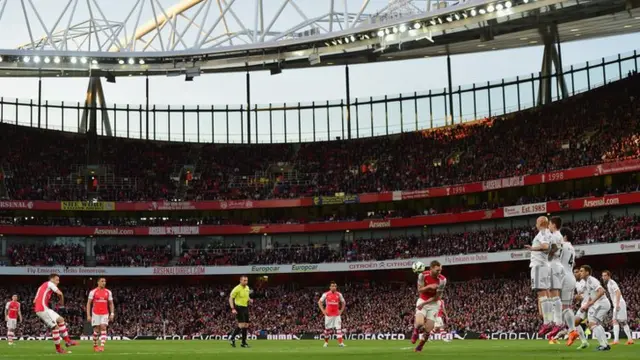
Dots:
pixel 396 264
pixel 319 121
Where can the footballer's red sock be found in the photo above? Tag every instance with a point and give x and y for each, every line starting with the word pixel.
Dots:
pixel 55 334
pixel 95 338
pixel 64 332
pixel 339 336
pixel 326 336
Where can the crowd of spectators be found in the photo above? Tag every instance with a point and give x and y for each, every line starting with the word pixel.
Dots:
pixel 494 305
pixel 132 256
pixel 212 252
pixel 595 127
pixel 46 255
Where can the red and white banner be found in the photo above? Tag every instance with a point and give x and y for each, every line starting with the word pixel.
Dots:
pixel 526 209
pixel 416 221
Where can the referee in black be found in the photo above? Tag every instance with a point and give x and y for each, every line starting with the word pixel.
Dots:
pixel 239 302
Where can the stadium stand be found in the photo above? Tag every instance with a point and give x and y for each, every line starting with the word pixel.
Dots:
pixel 595 127
pixel 608 229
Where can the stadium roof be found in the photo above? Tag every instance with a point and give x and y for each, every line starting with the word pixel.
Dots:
pixel 403 29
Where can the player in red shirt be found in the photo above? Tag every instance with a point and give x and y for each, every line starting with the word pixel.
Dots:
pixel 100 297
pixel 335 306
pixel 54 321
pixel 431 285
pixel 441 319
pixel 12 314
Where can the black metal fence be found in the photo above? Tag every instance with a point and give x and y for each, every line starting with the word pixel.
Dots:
pixel 321 121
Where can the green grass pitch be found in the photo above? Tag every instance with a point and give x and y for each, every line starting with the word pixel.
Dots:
pixel 310 350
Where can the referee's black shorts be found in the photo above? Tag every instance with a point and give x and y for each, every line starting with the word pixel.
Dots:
pixel 243 314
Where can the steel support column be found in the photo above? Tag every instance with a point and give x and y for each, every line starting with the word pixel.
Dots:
pixel 39 101
pixel 348 90
pixel 248 109
pixel 94 96
pixel 550 59
pixel 450 88
pixel 146 94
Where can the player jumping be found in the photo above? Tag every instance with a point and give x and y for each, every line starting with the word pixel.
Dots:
pixel 53 321
pixel 431 284
pixel 598 306
pixel 101 314
pixel 541 273
pixel 335 306
pixel 12 314
pixel 619 309
pixel 557 279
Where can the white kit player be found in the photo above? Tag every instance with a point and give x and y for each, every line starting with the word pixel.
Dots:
pixel 103 312
pixel 12 314
pixel 333 310
pixel 619 309
pixel 582 296
pixel 597 308
pixel 541 273
pixel 557 278
pixel 431 284
pixel 53 321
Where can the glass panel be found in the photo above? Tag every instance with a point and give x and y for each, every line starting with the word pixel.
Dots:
pixel 497 105
pixel 335 121
pixel 174 116
pixel 24 113
pixel 292 123
pixel 55 115
pixel 409 114
pixel 134 123
pixel 612 71
pixel 511 98
pixel 580 81
pixel 424 113
pixel 364 119
pixel 321 123
pixel 219 126
pixel 237 129
pixel 206 131
pixel 467 106
pixel 191 127
pixel 627 67
pixel 395 122
pixel 379 118
pixel 161 123
pixel 277 115
pixel 306 119
pixel 595 74
pixel 263 124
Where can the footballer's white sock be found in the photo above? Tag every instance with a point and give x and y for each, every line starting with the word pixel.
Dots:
pixel 627 331
pixel 569 319
pixel 616 332
pixel 547 310
pixel 557 310
pixel 583 337
pixel 599 334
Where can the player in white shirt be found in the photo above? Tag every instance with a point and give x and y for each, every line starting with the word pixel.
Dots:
pixel 557 277
pixel 540 273
pixel 597 307
pixel 582 297
pixel 619 309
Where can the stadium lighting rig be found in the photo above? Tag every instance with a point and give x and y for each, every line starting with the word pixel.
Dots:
pixel 376 37
pixel 415 29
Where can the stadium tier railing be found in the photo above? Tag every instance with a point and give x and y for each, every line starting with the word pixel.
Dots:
pixel 324 120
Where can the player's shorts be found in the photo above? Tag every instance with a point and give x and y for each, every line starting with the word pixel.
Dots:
pixel 568 289
pixel 49 317
pixel 620 315
pixel 97 320
pixel 556 277
pixel 541 277
pixel 598 312
pixel 429 310
pixel 243 314
pixel 439 323
pixel 12 323
pixel 333 322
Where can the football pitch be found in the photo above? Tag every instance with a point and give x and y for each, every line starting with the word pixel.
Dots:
pixel 309 350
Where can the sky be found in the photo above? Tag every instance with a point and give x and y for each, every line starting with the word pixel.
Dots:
pixel 314 84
